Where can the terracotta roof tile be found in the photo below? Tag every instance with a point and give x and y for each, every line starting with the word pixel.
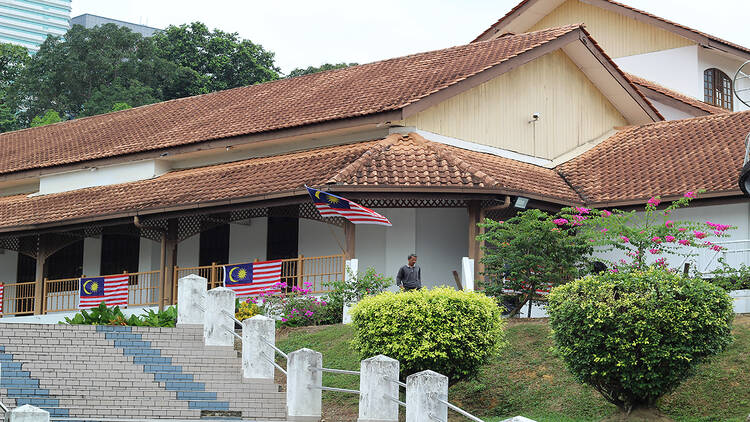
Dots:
pixel 644 83
pixel 356 91
pixel 398 160
pixel 664 158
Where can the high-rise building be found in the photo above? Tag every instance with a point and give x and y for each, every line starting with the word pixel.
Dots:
pixel 28 22
pixel 88 20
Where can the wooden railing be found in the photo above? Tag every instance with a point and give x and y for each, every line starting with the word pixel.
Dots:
pixel 18 298
pixel 62 295
pixel 317 270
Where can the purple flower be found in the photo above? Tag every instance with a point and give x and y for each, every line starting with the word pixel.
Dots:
pixel 654 201
pixel 560 221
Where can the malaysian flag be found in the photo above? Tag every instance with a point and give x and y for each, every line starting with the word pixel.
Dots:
pixel 330 205
pixel 111 289
pixel 254 278
pixel 1 299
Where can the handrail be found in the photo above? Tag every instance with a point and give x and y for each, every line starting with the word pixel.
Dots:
pixel 335 371
pixel 340 390
pixel 393 399
pixel 399 383
pixel 283 371
pixel 2 406
pixel 459 410
pixel 273 346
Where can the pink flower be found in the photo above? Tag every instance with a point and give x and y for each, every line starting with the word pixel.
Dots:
pixel 613 270
pixel 681 229
pixel 669 238
pixel 661 262
pixel 656 239
pixel 604 230
pixel 669 223
pixel 654 251
pixel 606 213
pixel 654 201
pixel 624 239
pixel 582 210
pixel 689 194
pixel 699 234
pixel 684 242
pixel 716 247
pixel 284 320
pixel 560 221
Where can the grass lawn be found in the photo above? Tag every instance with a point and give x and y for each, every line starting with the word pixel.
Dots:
pixel 529 379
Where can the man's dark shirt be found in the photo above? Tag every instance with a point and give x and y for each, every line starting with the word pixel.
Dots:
pixel 409 277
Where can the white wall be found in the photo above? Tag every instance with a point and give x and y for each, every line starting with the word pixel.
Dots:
pixel 248 242
pixel 8 266
pixel 675 69
pixel 316 239
pixel 669 112
pixel 708 58
pixel 188 252
pixel 370 248
pixel 92 256
pixel 149 255
pixel 442 239
pixel 110 175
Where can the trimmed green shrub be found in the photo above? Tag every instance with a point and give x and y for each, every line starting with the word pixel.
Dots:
pixel 635 336
pixel 448 331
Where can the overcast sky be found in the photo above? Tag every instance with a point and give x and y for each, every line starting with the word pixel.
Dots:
pixel 304 32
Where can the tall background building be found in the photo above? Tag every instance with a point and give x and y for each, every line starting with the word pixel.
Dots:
pixel 88 20
pixel 28 22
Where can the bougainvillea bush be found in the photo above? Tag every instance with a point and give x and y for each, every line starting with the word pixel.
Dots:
pixel 644 238
pixel 636 335
pixel 294 307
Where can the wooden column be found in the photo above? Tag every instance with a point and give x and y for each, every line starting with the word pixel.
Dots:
pixel 475 252
pixel 169 261
pixel 351 238
pixel 41 273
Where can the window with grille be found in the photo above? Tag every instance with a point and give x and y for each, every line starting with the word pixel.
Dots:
pixel 717 88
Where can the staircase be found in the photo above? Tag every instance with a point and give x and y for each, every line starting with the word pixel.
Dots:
pixel 114 372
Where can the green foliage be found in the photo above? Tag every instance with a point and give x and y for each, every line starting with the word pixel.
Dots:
pixel 13 60
pixel 49 117
pixel 118 96
pixel 635 336
pixel 245 310
pixel 529 252
pixel 322 68
pixel 296 306
pixel 729 278
pixel 646 237
pixel 103 315
pixel 368 283
pixel 448 331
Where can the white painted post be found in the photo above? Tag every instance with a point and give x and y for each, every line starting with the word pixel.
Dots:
pixel 304 399
pixel 374 387
pixel 352 266
pixel 218 326
pixel 422 392
pixel 467 273
pixel 191 300
pixel 27 413
pixel 254 365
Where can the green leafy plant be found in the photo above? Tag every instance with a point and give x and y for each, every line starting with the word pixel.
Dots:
pixel 165 318
pixel 358 286
pixel 729 278
pixel 103 315
pixel 529 253
pixel 448 331
pixel 635 336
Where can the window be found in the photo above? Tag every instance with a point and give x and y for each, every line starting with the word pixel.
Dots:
pixel 717 88
pixel 214 245
pixel 119 254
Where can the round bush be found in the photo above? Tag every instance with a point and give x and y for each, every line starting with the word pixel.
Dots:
pixel 635 336
pixel 448 331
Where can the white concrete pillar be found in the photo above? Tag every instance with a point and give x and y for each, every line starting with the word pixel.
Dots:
pixel 375 383
pixel 467 273
pixel 191 300
pixel 27 413
pixel 218 326
pixel 254 365
pixel 422 391
pixel 303 400
pixel 350 275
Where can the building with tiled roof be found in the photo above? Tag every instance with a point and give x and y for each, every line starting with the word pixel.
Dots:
pixel 434 141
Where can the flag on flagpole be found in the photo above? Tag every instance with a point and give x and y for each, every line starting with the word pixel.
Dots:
pixel 111 289
pixel 330 205
pixel 254 278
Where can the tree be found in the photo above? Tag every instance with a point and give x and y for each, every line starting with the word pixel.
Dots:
pixel 105 98
pixel 13 60
pixel 49 117
pixel 207 61
pixel 529 254
pixel 322 68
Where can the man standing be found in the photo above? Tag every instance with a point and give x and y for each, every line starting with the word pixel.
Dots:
pixel 409 277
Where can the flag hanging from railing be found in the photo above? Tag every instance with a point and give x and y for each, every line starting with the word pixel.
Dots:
pixel 1 298
pixel 111 289
pixel 254 278
pixel 330 205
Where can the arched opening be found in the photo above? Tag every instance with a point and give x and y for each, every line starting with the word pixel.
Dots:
pixel 717 88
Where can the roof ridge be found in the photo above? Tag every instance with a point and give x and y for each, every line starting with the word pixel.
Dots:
pixel 454 160
pixel 366 157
